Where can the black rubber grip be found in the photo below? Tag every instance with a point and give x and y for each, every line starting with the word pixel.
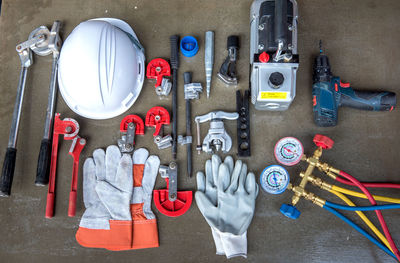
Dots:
pixel 42 172
pixel 7 174
pixel 174 40
pixel 232 41
pixel 187 77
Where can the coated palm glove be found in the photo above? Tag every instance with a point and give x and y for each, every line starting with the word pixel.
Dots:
pixel 107 191
pixel 230 214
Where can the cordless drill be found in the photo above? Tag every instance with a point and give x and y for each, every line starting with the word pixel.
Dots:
pixel 329 93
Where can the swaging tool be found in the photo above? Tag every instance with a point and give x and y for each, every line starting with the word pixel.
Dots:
pixel 54 45
pixel 329 93
pixel 192 91
pixel 217 138
pixel 174 40
pixel 25 56
pixel 209 59
pixel 227 72
pixel 273 53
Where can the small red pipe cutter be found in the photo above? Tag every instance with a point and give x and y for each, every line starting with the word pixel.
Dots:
pixel 69 128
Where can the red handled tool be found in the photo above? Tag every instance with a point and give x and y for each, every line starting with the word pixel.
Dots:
pixel 75 150
pixel 69 128
pixel 169 201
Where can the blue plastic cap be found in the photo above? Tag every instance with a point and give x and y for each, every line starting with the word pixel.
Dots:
pixel 290 211
pixel 189 46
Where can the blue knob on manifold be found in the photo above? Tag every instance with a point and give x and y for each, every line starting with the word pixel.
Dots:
pixel 290 211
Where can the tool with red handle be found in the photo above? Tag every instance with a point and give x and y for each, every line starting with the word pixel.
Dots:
pixel 69 128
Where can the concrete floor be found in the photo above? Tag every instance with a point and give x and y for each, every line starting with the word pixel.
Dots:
pixel 361 37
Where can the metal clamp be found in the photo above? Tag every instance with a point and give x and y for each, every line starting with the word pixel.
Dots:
pixel 170 174
pixel 217 138
pixel 163 142
pixel 192 91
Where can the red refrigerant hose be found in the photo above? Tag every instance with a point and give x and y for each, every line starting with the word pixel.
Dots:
pixel 369 185
pixel 363 188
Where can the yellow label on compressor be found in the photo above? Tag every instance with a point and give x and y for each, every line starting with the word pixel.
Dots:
pixel 273 95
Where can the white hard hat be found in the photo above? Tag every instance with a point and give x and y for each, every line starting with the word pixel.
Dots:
pixel 101 68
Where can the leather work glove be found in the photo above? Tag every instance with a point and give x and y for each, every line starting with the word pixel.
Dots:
pixel 145 170
pixel 107 191
pixel 230 211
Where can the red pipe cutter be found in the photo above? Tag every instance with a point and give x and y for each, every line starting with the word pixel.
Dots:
pixel 69 128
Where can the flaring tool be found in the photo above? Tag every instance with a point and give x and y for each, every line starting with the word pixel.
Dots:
pixel 69 128
pixel 227 72
pixel 217 138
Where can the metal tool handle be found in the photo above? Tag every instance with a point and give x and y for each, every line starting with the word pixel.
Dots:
pixel 174 40
pixel 42 172
pixel 8 172
pixel 187 77
pixel 221 115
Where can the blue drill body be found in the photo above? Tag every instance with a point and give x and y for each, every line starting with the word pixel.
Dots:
pixel 329 93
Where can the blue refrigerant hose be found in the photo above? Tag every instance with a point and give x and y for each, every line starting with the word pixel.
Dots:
pixel 359 229
pixel 362 208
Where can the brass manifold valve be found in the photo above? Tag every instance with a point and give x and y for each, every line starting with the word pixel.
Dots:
pixel 322 142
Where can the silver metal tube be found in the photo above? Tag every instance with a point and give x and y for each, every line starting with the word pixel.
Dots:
pixel 12 140
pixel 51 100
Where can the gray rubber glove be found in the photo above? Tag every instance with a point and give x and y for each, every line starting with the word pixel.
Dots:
pixel 230 217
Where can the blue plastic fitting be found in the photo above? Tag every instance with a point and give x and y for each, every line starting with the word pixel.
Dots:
pixel 290 211
pixel 189 46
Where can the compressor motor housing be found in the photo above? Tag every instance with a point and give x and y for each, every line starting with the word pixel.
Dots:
pixel 273 53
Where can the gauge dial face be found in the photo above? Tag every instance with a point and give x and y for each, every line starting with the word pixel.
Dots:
pixel 274 179
pixel 288 151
